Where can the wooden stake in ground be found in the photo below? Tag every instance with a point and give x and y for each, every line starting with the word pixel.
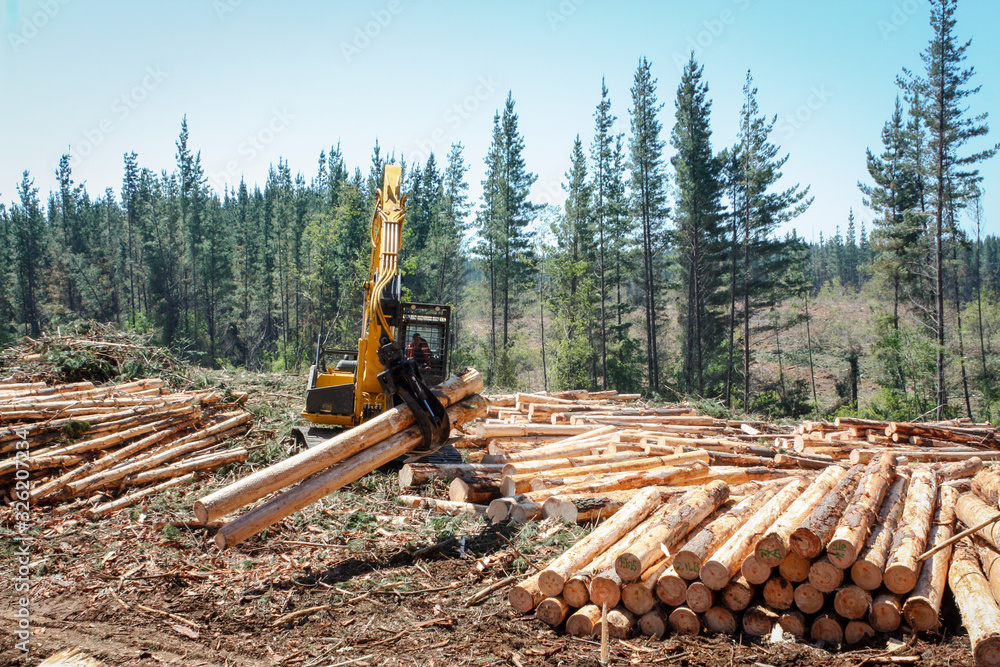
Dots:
pixel 980 614
pixel 345 472
pixel 296 468
pixel 717 571
pixel 922 609
pixel 851 532
pixel 774 546
pixel 812 535
pixel 903 568
pixel 866 571
pixel 688 559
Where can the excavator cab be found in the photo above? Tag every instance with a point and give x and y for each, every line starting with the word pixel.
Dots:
pixel 402 351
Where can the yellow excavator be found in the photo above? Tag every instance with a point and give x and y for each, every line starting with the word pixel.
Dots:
pixel 404 347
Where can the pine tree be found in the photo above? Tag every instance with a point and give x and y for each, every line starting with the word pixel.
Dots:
pixel 698 239
pixel 602 157
pixel 29 237
pixel 648 202
pixel 945 85
pixel 762 211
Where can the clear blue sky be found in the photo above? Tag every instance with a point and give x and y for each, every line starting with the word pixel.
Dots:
pixel 259 79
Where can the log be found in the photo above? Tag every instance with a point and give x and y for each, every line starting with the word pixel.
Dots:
pixel 448 507
pixel 639 596
pixel 685 622
pixel 584 621
pixel 653 623
pixel 321 457
pixel 544 465
pixel 720 620
pixel 980 614
pixel 718 569
pixel 526 595
pixel 922 609
pixel 808 598
pixel 795 568
pixel 628 517
pixel 688 560
pixel 621 623
pixel 552 611
pixel 774 545
pixel 576 591
pixel 209 462
pixel 587 508
pixel 947 472
pixel 480 490
pixel 535 481
pixel 989 558
pixel 685 474
pixel 606 588
pixel 699 597
pixel 779 593
pixel 867 569
pixel 582 444
pixel 418 474
pixel 132 498
pixel 811 537
pixel 858 631
pixel 335 477
pixel 986 485
pixel 972 511
pixel 758 621
pixel 671 589
pixel 924 455
pixel 827 628
pixel 887 612
pixel 852 602
pixel 692 509
pixel 525 512
pixel 849 537
pixel 496 430
pixel 825 576
pixel 738 594
pixel 499 509
pixel 755 570
pixel 793 622
pixel 910 540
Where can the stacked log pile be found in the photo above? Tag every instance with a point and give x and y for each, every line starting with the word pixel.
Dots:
pixel 60 442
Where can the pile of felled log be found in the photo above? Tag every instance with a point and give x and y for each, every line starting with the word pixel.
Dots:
pixel 79 441
pixel 836 556
pixel 302 479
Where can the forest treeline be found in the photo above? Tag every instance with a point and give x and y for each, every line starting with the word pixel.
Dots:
pixel 661 274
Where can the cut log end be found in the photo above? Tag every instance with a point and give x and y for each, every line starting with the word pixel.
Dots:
pixel 828 629
pixel 683 621
pixel 576 592
pixel 738 595
pixel 852 602
pixel 866 575
pixel 200 512
pixel 987 652
pixel 842 553
pixel 771 550
pixel 900 579
pixel 524 597
pixel 637 598
pixel 720 620
pixel 551 583
pixel 825 576
pixel 584 621
pixel 653 624
pixel 921 615
pixel 671 589
pixel 886 615
pixel 779 593
pixel 605 590
pixel 552 611
pixel 794 623
pixel 699 597
pixel 808 599
pixel 714 574
pixel 758 621
pixel 755 570
pixel 857 632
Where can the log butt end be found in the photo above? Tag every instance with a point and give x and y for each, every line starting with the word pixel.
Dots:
pixel 653 624
pixel 827 629
pixel 857 632
pixel 714 574
pixel 794 623
pixel 987 652
pixel 771 550
pixel 841 553
pixel 637 598
pixel 866 575
pixel 900 579
pixel 920 615
pixel 552 611
pixel 720 621
pixel 684 621
pixel 220 541
pixel 551 583
pixel 603 590
pixel 200 512
pixel 522 598
pixel 805 544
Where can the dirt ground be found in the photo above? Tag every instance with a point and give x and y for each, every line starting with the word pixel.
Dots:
pixel 353 580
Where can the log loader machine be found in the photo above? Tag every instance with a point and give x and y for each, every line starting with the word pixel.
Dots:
pixel 403 347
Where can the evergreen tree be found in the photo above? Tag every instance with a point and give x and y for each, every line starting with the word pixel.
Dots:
pixel 698 238
pixel 945 85
pixel 28 236
pixel 602 157
pixel 648 203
